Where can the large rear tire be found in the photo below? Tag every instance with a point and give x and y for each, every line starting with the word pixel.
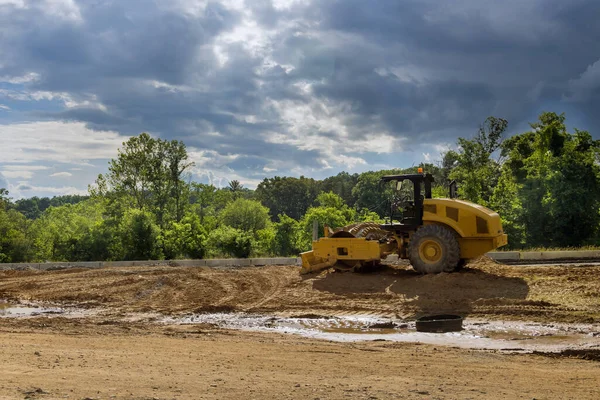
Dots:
pixel 434 249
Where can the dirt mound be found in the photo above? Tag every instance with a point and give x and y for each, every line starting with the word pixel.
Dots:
pixel 483 288
pixel 160 289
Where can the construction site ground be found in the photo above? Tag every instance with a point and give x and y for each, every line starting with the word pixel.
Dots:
pixel 154 333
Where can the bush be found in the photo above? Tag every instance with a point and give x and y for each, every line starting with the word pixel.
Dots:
pixel 64 233
pixel 285 242
pixel 332 212
pixel 263 242
pixel 185 239
pixel 14 244
pixel 246 215
pixel 140 236
pixel 228 241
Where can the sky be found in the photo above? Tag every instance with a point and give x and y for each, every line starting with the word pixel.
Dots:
pixel 263 88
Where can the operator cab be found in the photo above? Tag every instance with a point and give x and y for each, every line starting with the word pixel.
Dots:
pixel 408 197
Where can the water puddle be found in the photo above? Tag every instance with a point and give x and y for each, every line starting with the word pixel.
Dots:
pixel 510 336
pixel 22 310
pixel 493 335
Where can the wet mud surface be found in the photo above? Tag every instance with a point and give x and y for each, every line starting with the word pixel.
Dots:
pixel 496 335
pixel 484 289
pixel 26 310
pixel 172 333
pixel 32 309
pixel 505 336
pixel 511 308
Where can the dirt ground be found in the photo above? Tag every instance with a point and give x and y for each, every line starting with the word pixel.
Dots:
pixel 108 356
pixel 190 363
pixel 483 289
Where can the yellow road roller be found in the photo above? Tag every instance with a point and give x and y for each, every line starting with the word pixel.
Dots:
pixel 435 234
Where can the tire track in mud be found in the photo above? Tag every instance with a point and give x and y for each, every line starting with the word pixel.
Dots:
pixel 269 289
pixel 486 289
pixel 247 290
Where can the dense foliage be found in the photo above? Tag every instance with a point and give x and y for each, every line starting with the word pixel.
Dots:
pixel 544 183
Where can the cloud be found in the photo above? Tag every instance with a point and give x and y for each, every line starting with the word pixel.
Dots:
pixel 586 84
pixel 18 167
pixel 285 86
pixel 27 190
pixel 21 171
pixel 52 146
pixel 62 174
pixel 54 141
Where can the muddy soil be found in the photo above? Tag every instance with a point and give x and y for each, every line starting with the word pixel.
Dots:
pixel 484 289
pixel 107 341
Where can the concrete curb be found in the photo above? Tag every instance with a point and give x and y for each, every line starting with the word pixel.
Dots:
pixel 504 255
pixel 507 256
pixel 544 255
pixel 226 262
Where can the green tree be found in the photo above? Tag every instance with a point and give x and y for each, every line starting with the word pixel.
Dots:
pixel 104 241
pixel 185 239
pixel 472 166
pixel 557 182
pixel 332 200
pixel 148 175
pixel 33 207
pixel 263 242
pixel 285 242
pixel 63 233
pixel 331 211
pixel 14 242
pixel 208 201
pixel 178 166
pixel 132 172
pixel 287 195
pixel 229 242
pixel 246 215
pixel 4 199
pixel 235 187
pixel 30 208
pixel 342 185
pixel 140 236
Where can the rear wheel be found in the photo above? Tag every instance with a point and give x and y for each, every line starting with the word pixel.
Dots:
pixel 434 249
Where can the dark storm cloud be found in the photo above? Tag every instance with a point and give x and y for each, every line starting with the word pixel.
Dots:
pixel 481 59
pixel 408 108
pixel 121 39
pixel 424 71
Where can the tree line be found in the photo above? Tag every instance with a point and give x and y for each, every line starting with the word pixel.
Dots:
pixel 544 183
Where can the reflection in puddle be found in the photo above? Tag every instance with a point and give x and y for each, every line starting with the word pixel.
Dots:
pixel 20 310
pixel 498 335
pixel 25 310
